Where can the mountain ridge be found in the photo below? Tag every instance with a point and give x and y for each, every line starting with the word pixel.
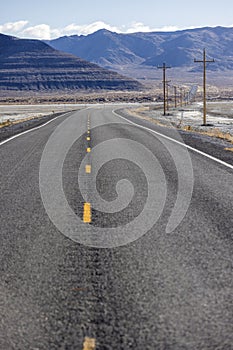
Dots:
pixel 178 48
pixel 27 64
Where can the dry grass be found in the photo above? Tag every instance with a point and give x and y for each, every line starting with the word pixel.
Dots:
pixel 13 122
pixel 134 113
pixel 11 98
pixel 5 123
pixel 214 132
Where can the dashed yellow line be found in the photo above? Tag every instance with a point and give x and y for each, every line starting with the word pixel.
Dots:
pixel 87 213
pixel 89 344
pixel 88 169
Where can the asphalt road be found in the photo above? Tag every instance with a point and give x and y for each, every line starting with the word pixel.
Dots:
pixel 114 237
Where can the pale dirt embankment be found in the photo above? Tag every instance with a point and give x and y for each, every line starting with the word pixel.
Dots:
pixel 190 118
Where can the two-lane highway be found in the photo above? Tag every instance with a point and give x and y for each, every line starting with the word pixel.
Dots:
pixel 114 235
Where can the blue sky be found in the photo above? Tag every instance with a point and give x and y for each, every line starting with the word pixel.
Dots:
pixel 46 19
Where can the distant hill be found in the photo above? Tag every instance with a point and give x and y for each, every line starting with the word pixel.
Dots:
pixel 178 49
pixel 34 65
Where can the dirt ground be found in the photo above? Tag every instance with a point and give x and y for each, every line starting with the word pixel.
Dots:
pixel 190 118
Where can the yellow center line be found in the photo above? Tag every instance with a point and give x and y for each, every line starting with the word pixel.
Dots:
pixel 88 169
pixel 89 344
pixel 88 138
pixel 87 213
pixel 88 149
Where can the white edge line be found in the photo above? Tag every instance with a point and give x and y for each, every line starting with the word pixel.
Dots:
pixel 33 129
pixel 178 142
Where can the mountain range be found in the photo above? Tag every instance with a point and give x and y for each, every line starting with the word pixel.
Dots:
pixel 102 60
pixel 178 49
pixel 34 65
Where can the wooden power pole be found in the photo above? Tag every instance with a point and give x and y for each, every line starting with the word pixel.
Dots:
pixel 164 68
pixel 181 97
pixel 175 95
pixel 167 92
pixel 204 61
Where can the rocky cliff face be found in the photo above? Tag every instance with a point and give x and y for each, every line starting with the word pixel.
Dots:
pixel 34 65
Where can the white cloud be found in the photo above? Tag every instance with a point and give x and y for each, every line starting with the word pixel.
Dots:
pixel 13 27
pixel 88 29
pixel 168 29
pixel 141 27
pixel 45 32
pixel 41 31
pixel 138 27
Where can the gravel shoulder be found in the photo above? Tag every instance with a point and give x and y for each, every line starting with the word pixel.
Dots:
pixel 214 146
pixel 189 119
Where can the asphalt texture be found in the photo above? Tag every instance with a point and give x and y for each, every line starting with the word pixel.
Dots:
pixel 170 287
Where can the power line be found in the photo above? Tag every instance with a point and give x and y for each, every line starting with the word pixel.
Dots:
pixel 204 61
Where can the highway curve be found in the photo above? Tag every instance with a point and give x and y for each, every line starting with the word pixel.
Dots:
pixel 114 235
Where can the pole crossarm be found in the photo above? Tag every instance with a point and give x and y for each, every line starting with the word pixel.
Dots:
pixel 164 67
pixel 204 61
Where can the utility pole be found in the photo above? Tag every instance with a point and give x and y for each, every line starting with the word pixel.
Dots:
pixel 164 68
pixel 204 61
pixel 175 94
pixel 167 97
pixel 181 97
pixel 186 98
